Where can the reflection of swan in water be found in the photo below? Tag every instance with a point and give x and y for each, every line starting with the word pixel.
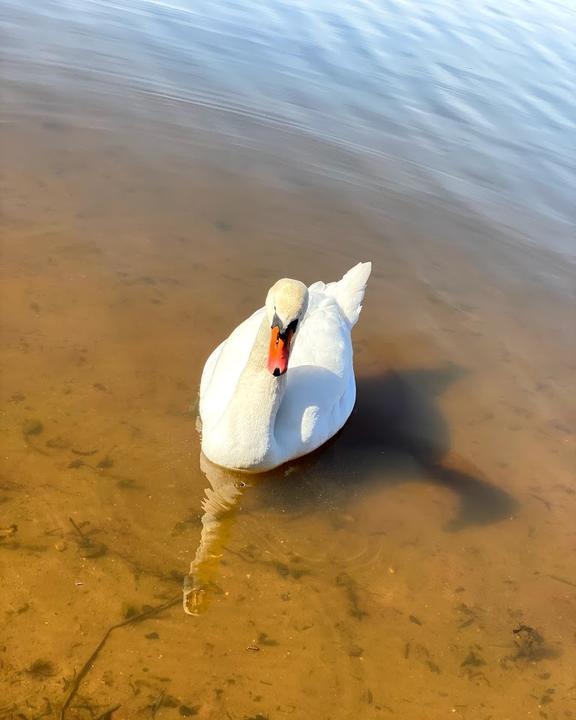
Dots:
pixel 219 505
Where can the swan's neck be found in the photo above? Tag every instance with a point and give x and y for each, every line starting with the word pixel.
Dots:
pixel 250 417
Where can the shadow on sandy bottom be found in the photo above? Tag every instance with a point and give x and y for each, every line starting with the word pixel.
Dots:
pixel 396 425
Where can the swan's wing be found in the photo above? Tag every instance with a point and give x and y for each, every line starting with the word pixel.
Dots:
pixel 348 292
pixel 209 366
pixel 224 366
pixel 321 389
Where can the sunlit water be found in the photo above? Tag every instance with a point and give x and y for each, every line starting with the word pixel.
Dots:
pixel 162 165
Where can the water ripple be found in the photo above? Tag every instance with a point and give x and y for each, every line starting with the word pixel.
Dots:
pixel 481 94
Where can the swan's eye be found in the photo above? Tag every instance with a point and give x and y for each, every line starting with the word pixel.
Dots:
pixel 290 328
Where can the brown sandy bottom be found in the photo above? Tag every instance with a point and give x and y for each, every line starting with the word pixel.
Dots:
pixel 420 566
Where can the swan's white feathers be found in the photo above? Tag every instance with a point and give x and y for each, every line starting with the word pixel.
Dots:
pixel 320 385
pixel 287 300
pixel 349 291
pixel 223 368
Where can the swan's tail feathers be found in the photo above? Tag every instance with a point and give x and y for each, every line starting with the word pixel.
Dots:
pixel 349 292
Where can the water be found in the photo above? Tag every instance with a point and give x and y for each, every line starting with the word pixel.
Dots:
pixel 162 165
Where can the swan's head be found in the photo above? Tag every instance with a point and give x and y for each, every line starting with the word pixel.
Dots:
pixel 286 305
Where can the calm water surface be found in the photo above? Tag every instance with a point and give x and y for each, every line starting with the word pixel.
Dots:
pixel 162 165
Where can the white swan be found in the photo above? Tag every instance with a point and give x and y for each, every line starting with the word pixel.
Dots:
pixel 255 415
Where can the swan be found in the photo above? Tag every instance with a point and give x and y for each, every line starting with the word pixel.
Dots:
pixel 283 382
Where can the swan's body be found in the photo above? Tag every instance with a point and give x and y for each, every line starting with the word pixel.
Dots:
pixel 255 417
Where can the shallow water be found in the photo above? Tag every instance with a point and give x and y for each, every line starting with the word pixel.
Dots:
pixel 162 165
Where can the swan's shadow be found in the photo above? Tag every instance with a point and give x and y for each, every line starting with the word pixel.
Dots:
pixel 396 416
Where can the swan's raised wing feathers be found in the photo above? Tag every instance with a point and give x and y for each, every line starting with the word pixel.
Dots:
pixel 349 291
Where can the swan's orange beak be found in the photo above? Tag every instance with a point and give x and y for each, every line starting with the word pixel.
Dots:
pixel 279 351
